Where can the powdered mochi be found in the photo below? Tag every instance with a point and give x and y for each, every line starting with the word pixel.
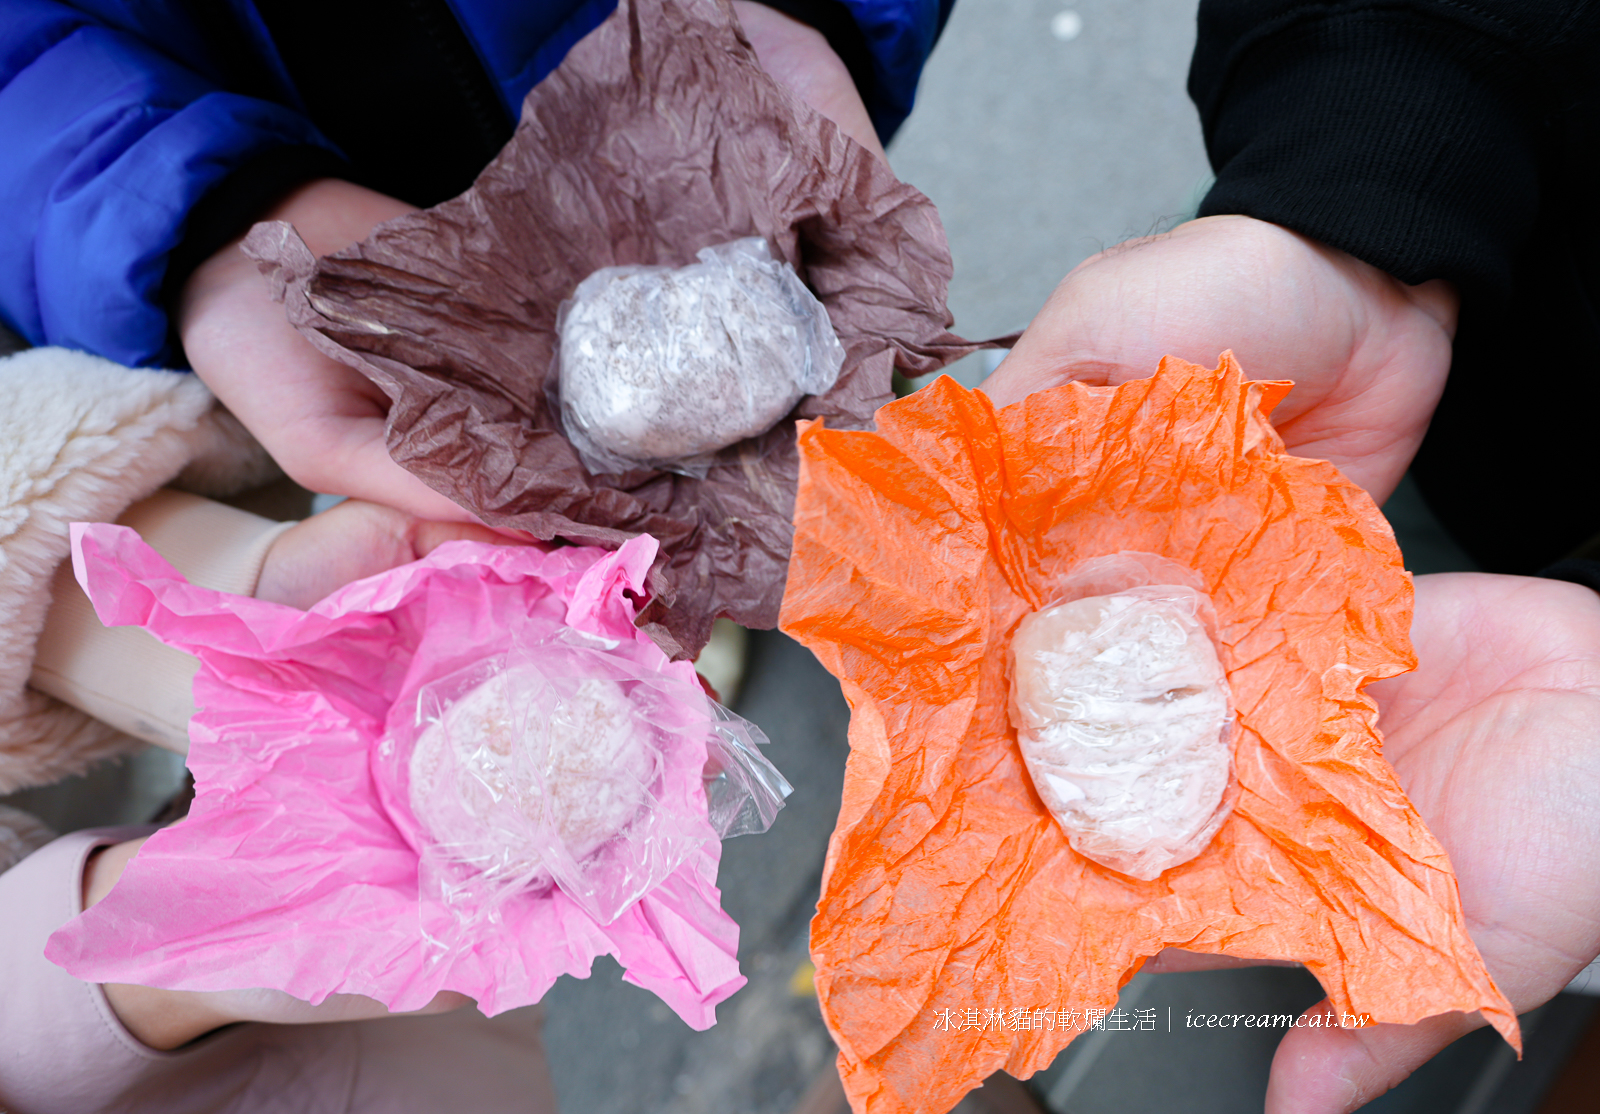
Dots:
pixel 1122 713
pixel 661 366
pixel 510 764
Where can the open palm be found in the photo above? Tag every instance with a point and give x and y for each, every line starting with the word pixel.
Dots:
pixel 1496 739
pixel 1367 353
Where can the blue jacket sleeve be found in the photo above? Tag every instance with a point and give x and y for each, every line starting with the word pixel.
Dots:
pixel 109 144
pixel 900 35
pixel 884 43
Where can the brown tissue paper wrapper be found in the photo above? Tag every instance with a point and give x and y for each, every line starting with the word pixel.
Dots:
pixel 948 885
pixel 657 136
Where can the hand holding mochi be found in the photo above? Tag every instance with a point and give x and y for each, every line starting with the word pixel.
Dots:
pixel 660 367
pixel 1023 602
pixel 624 157
pixel 1121 711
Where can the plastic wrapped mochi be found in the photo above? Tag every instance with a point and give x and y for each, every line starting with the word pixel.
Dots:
pixel 581 770
pixel 562 762
pixel 1121 710
pixel 660 366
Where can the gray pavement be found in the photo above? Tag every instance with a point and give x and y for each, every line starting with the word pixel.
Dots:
pixel 1041 150
pixel 614 1049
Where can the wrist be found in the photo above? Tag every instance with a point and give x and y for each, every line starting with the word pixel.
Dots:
pixel 799 58
pixel 1274 244
pixel 228 208
pixel 349 542
pixel 329 214
pixel 121 675
pixel 159 1019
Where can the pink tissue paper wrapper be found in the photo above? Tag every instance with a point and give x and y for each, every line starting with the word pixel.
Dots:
pixel 287 873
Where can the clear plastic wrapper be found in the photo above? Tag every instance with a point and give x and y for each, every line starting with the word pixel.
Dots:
pixel 562 762
pixel 660 367
pixel 743 790
pixel 1123 713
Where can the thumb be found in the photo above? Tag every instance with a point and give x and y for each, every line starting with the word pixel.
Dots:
pixel 1329 1069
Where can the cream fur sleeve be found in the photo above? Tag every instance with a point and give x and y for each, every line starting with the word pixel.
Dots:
pixel 81 439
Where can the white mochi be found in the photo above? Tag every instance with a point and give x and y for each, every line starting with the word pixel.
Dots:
pixel 1122 712
pixel 484 774
pixel 661 366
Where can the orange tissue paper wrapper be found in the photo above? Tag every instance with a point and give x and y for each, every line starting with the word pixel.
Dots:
pixel 948 885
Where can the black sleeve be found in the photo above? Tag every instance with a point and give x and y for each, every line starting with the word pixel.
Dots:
pixel 1412 135
pixel 1575 570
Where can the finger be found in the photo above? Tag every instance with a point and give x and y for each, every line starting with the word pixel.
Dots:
pixel 104 868
pixel 360 467
pixel 1334 1070
pixel 428 536
pixel 1034 368
pixel 278 1008
pixel 284 1010
pixel 799 58
pixel 445 1001
pixel 375 476
pixel 1175 960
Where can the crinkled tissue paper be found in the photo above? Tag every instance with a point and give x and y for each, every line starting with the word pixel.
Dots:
pixel 658 136
pixel 296 871
pixel 948 884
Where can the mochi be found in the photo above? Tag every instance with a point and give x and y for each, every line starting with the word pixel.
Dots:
pixel 510 765
pixel 1122 714
pixel 661 367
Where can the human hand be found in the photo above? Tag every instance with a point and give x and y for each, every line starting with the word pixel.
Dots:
pixel 322 421
pixel 1493 739
pixel 351 540
pixel 167 1019
pixel 1368 354
pixel 799 58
